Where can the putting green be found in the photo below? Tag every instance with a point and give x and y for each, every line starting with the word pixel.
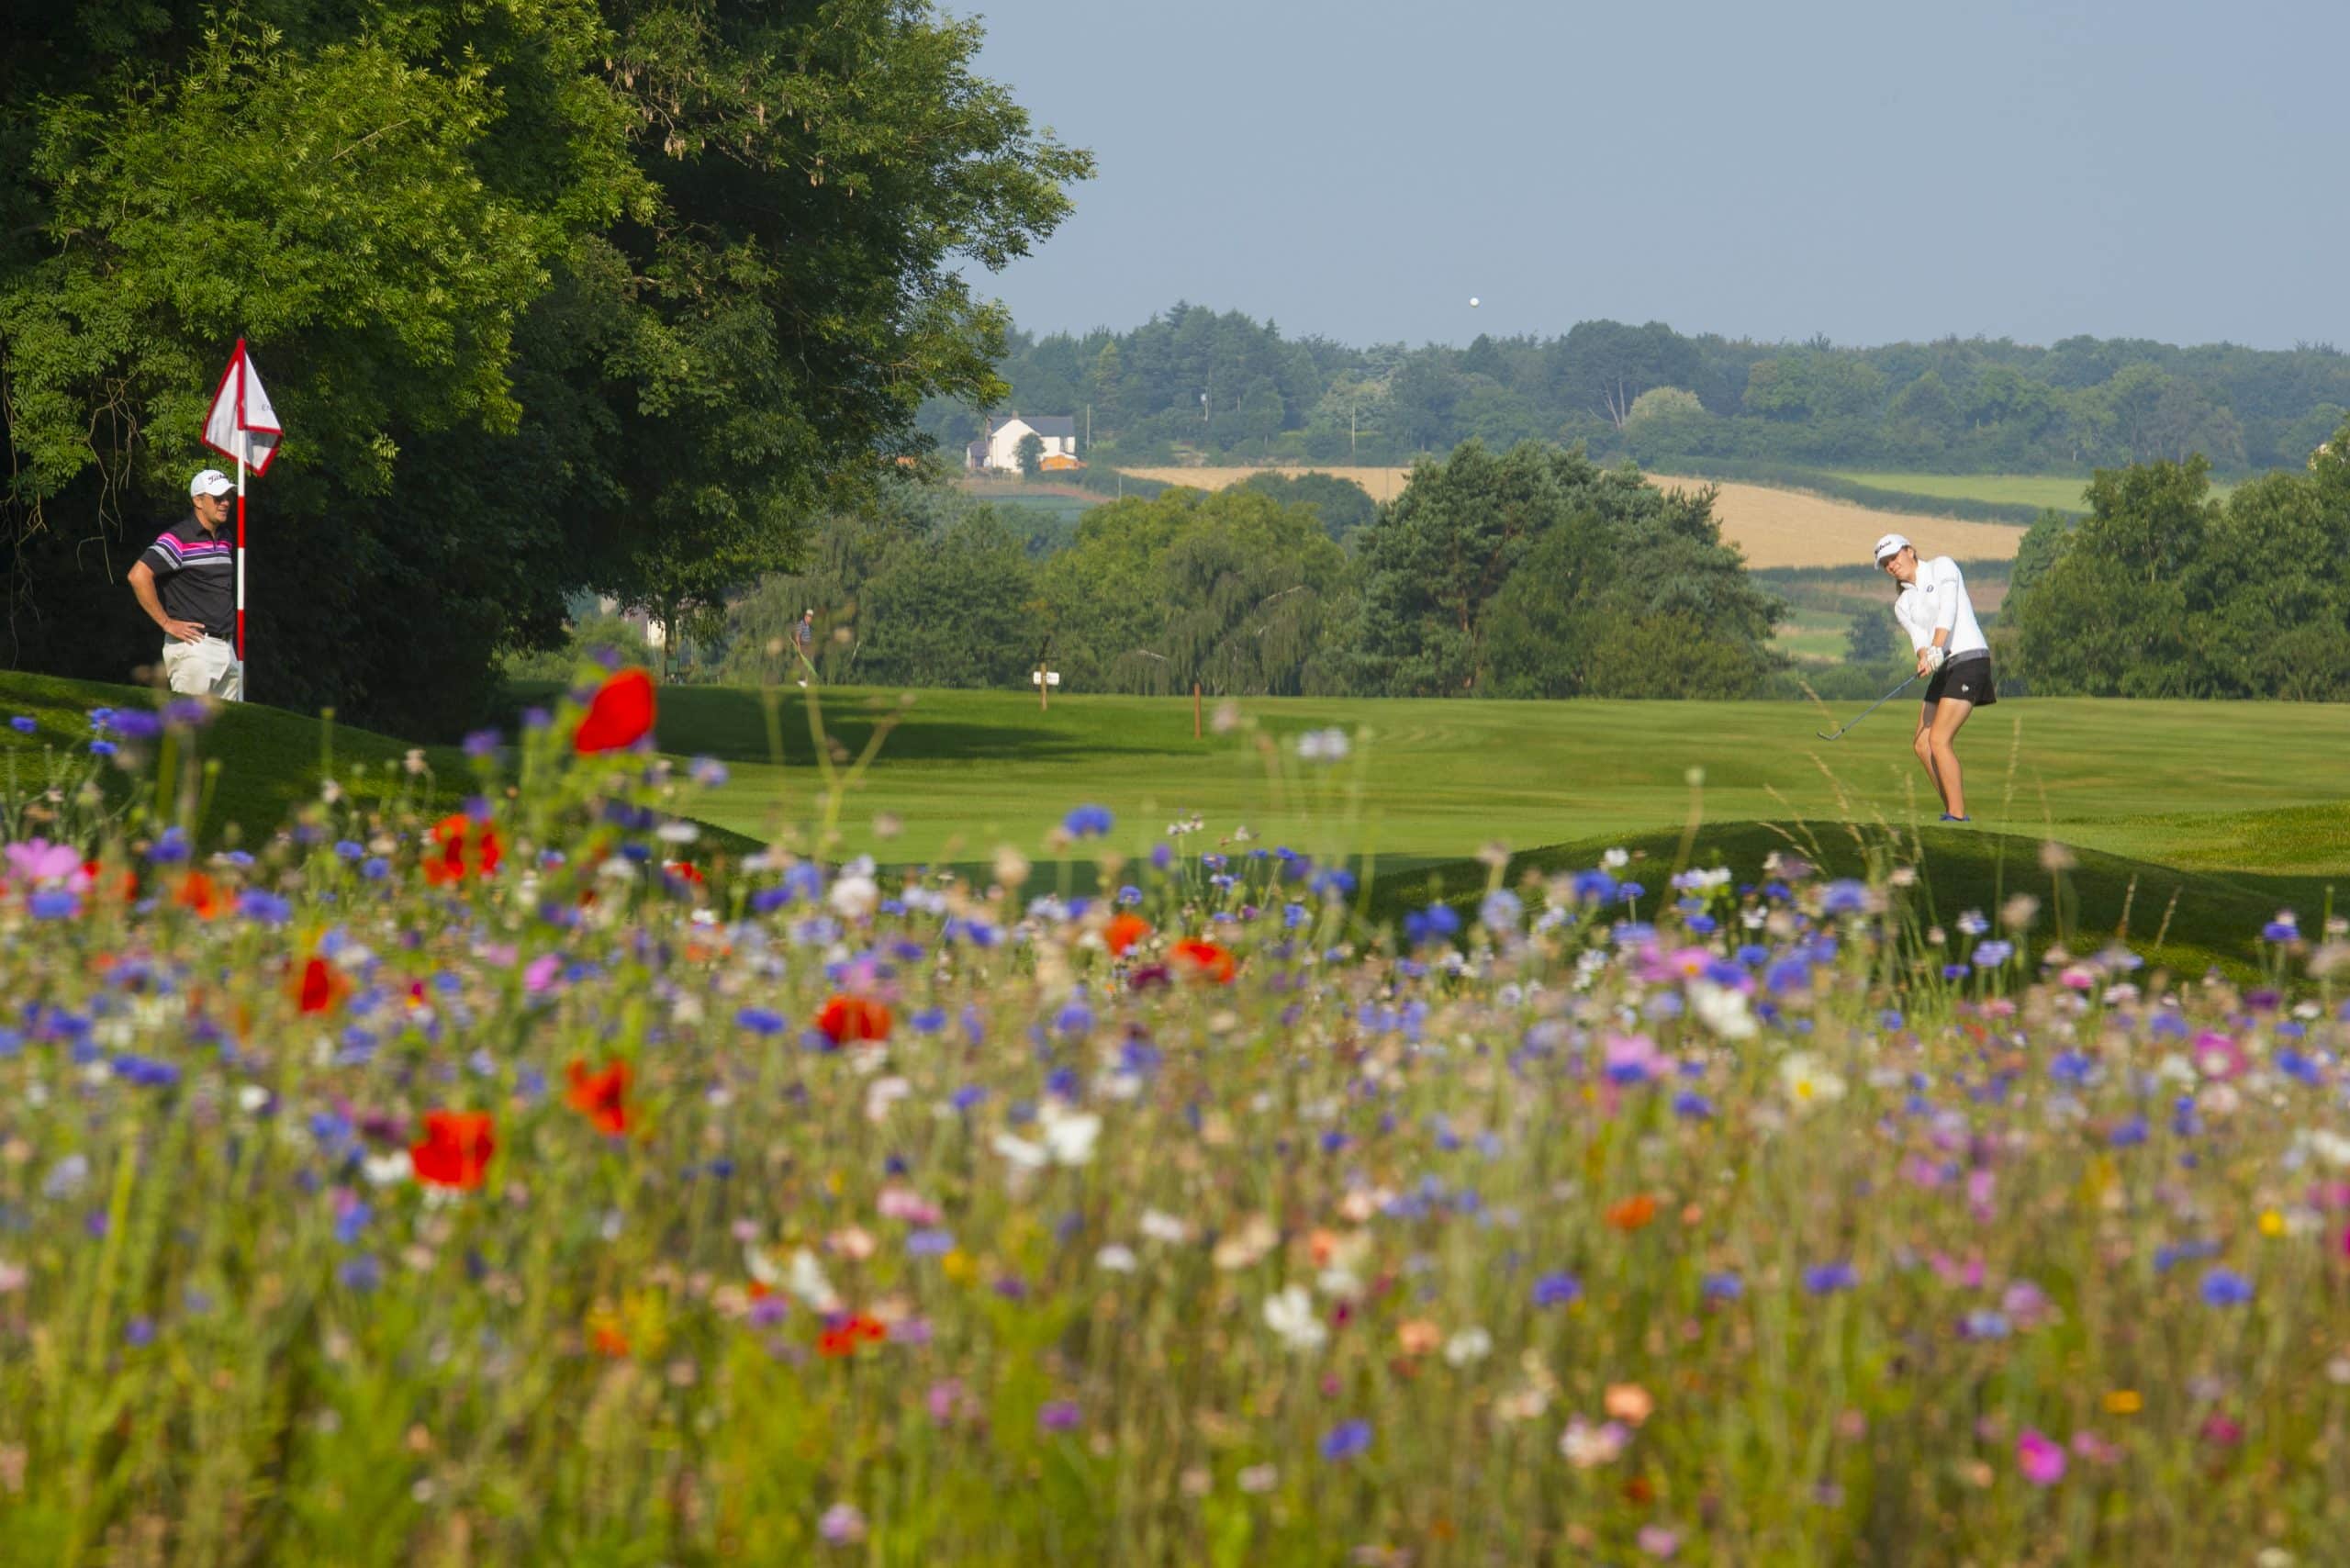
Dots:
pixel 2245 787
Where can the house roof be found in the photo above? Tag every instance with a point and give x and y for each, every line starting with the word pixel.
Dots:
pixel 1049 424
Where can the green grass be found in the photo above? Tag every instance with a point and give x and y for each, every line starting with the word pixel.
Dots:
pixel 2062 492
pixel 2238 808
pixel 268 761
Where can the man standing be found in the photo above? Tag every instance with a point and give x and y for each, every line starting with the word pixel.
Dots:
pixel 187 582
pixel 803 643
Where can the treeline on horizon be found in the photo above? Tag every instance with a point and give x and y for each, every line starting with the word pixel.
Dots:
pixel 1656 395
pixel 1534 571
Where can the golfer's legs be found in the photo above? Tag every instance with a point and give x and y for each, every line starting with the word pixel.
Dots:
pixel 1922 742
pixel 1948 715
pixel 229 684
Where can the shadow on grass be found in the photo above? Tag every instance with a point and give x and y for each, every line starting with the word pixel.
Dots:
pixel 2185 918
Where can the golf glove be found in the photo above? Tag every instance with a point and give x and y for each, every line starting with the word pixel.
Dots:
pixel 1936 656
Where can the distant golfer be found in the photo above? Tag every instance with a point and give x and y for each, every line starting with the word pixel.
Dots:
pixel 803 643
pixel 187 582
pixel 1932 606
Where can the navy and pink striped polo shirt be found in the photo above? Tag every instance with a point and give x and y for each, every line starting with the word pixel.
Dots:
pixel 196 577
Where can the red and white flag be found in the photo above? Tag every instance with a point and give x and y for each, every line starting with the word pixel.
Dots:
pixel 242 425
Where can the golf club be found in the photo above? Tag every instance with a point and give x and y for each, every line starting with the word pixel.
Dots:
pixel 1871 708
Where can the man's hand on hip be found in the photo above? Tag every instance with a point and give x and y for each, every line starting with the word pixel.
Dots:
pixel 184 630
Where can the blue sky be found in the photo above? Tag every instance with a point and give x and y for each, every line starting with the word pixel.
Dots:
pixel 1874 171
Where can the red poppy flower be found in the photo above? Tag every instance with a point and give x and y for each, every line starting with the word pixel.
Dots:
pixel 618 716
pixel 455 834
pixel 1205 961
pixel 847 1020
pixel 845 1337
pixel 456 1148
pixel 609 1341
pixel 601 1097
pixel 197 895
pixel 1123 933
pixel 319 988
pixel 1632 1213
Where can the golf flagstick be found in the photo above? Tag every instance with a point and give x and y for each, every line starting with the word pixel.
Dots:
pixel 243 424
pixel 1871 708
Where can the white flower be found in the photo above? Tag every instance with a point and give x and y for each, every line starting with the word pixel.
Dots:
pixel 1022 1154
pixel 854 898
pixel 1116 1258
pixel 1071 1134
pixel 1323 745
pixel 1289 1315
pixel 1587 1446
pixel 1808 1081
pixel 1723 1010
pixel 1616 860
pixel 383 1170
pixel 882 1093
pixel 2328 1145
pixel 806 1280
pixel 1468 1347
pixel 251 1097
pixel 677 831
pixel 1165 1227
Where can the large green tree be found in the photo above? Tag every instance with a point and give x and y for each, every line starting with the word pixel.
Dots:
pixel 552 295
pixel 1536 573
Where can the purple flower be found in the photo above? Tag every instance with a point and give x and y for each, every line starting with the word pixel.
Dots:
pixel 1346 1440
pixel 842 1525
pixel 482 745
pixel 1722 1287
pixel 930 1243
pixel 24 724
pixel 1058 1416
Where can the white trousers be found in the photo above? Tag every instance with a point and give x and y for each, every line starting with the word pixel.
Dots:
pixel 209 668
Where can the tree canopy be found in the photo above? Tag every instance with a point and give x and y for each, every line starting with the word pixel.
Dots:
pixel 556 295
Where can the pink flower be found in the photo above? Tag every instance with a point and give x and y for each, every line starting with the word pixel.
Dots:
pixel 2040 1457
pixel 2216 1055
pixel 39 860
pixel 540 973
pixel 1658 1541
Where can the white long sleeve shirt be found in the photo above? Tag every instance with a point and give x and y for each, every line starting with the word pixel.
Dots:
pixel 1937 601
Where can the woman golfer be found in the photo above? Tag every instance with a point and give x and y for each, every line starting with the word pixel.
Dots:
pixel 1932 606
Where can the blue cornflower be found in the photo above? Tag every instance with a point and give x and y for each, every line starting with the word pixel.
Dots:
pixel 930 1243
pixel 1723 1286
pixel 1991 954
pixel 135 724
pixel 265 908
pixel 760 1020
pixel 1346 1440
pixel 1501 911
pixel 24 724
pixel 1595 886
pixel 55 904
pixel 2286 927
pixel 1845 897
pixel 1088 822
pixel 2225 1287
pixel 1556 1290
pixel 1826 1279
pixel 102 748
pixel 482 745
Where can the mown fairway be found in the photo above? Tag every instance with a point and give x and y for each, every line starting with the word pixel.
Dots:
pixel 2196 783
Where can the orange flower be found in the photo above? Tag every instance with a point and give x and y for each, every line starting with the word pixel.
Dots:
pixel 619 715
pixel 320 988
pixel 1632 1214
pixel 601 1096
pixel 197 895
pixel 1418 1336
pixel 1123 933
pixel 1628 1402
pixel 1205 960
pixel 456 1148
pixel 847 1020
pixel 606 1336
pixel 454 835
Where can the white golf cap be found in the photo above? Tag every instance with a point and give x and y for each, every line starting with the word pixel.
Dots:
pixel 211 482
pixel 1892 544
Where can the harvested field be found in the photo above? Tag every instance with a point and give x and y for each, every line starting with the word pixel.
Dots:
pixel 1774 527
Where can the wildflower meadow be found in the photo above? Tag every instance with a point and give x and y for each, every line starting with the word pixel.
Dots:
pixel 510 1169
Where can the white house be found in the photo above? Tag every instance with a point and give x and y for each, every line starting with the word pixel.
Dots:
pixel 999 447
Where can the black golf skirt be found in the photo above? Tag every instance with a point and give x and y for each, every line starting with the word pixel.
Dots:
pixel 1968 679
